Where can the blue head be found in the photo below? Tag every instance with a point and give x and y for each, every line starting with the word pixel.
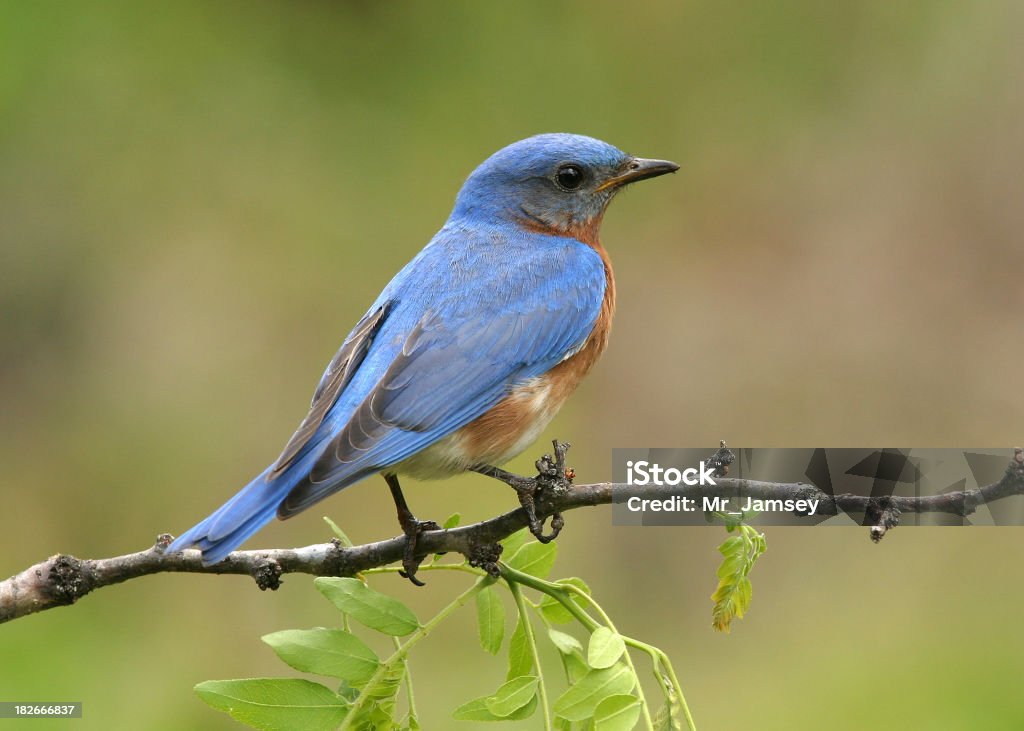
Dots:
pixel 555 183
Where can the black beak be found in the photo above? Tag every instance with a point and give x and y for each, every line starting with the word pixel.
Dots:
pixel 640 168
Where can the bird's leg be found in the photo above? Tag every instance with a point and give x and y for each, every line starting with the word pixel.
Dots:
pixel 551 474
pixel 412 529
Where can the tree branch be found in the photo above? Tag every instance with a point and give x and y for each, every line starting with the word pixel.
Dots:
pixel 62 579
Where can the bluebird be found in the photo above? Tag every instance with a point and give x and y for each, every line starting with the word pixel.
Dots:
pixel 470 350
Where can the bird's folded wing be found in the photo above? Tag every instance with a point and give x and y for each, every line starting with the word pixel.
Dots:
pixel 458 361
pixel 338 374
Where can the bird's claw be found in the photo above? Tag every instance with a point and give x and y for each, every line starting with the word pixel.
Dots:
pixel 528 489
pixel 412 558
pixel 552 475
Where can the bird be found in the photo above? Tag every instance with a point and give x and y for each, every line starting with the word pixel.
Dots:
pixel 470 350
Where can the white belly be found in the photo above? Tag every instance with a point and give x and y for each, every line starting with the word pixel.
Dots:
pixel 465 448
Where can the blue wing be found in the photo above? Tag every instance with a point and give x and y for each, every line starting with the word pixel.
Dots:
pixel 473 315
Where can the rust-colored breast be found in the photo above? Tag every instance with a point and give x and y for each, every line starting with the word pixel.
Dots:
pixel 565 376
pixel 517 420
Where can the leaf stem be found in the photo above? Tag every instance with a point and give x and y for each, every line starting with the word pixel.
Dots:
pixel 658 657
pixel 644 708
pixel 550 626
pixel 517 595
pixel 555 591
pixel 563 594
pixel 403 650
pixel 411 699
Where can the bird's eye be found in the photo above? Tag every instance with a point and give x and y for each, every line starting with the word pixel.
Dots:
pixel 569 177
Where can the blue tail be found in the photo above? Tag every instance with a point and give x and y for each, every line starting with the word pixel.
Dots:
pixel 250 509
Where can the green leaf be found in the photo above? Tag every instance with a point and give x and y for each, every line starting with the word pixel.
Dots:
pixel 512 696
pixel 345 541
pixel 476 710
pixel 566 643
pixel 520 659
pixel 733 593
pixel 275 704
pixel 348 691
pixel 378 707
pixel 534 558
pixel 387 685
pixel 617 713
pixel 570 651
pixel 490 614
pixel 580 701
pixel 731 545
pixel 332 652
pixel 575 666
pixel 376 716
pixel 368 606
pixel 667 718
pixel 452 521
pixel 514 542
pixel 579 584
pixel 605 648
pixel 555 612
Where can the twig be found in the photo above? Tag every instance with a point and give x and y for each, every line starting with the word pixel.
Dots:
pixel 62 579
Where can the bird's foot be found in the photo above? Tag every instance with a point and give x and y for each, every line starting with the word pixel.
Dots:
pixel 412 558
pixel 552 476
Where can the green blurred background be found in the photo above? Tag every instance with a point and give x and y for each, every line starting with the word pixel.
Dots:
pixel 198 200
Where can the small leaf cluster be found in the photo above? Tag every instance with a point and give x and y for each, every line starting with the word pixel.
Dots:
pixel 369 685
pixel 599 690
pixel 602 690
pixel 739 554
